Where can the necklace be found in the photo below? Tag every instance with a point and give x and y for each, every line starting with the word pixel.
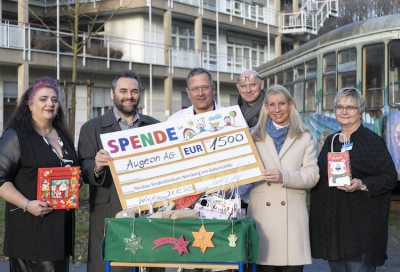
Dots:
pixel 45 136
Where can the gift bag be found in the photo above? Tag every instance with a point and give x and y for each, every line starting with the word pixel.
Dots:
pixel 229 204
pixel 339 172
pixel 208 210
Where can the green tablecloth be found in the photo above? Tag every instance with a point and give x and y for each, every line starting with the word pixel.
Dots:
pixel 150 229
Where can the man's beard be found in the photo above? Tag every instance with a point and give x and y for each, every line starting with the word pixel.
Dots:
pixel 123 109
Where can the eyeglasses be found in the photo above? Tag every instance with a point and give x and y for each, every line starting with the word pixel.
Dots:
pixel 251 78
pixel 349 109
pixel 204 88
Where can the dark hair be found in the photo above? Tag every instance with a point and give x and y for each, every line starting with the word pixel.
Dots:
pixel 125 74
pixel 198 71
pixel 22 116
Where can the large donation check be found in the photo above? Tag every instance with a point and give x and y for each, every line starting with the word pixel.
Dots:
pixel 200 153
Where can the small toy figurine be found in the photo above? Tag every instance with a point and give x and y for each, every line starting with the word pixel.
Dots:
pixel 232 240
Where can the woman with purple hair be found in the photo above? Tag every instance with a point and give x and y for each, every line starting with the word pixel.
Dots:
pixel 37 237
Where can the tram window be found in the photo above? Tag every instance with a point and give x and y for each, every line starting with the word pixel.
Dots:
pixel 347 80
pixel 289 75
pixel 290 88
pixel 309 95
pixel 279 78
pixel 373 74
pixel 311 68
pixel 299 72
pixel 329 91
pixel 330 63
pixel 347 60
pixel 394 74
pixel 299 95
pixel 271 80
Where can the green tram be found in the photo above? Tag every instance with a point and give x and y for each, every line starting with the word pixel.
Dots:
pixel 365 55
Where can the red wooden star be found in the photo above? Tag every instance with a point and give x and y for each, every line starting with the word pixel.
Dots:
pixel 180 244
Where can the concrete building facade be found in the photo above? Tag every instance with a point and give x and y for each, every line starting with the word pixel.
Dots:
pixel 160 39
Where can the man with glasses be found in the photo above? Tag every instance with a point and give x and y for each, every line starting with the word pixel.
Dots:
pixel 251 90
pixel 200 89
pixel 250 101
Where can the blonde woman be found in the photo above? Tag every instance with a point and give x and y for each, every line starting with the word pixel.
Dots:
pixel 278 201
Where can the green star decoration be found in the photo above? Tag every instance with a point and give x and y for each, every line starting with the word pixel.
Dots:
pixel 133 243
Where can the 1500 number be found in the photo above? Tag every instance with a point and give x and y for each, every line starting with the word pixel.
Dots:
pixel 225 140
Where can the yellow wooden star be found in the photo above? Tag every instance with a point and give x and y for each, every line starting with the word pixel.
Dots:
pixel 202 239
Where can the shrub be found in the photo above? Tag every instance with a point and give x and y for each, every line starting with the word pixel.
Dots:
pixel 47 43
pixel 101 51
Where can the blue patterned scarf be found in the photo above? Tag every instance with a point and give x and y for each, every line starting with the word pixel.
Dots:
pixel 277 134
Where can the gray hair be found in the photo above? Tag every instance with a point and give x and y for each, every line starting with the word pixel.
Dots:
pixel 198 71
pixel 352 93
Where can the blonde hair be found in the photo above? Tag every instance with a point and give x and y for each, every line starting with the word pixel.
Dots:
pixel 296 126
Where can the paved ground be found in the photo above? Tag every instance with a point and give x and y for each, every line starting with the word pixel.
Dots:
pixel 4 267
pixel 392 265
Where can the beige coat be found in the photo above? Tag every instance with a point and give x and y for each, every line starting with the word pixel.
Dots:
pixel 280 210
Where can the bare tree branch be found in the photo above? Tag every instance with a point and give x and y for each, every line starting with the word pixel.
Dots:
pixel 74 16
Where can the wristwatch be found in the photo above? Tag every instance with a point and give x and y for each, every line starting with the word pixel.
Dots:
pixel 363 186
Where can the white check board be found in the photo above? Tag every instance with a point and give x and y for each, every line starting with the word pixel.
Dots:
pixel 172 159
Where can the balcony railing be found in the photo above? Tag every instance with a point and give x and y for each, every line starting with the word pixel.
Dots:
pixel 234 8
pixel 310 18
pixel 32 39
pixel 52 3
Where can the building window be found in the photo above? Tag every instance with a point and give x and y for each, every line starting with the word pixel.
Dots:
pixel 182 37
pixel 185 100
pixel 10 100
pixel 248 11
pixel 10 104
pixel 101 101
pixel 242 57
pixel 234 7
pixel 210 4
pixel 210 51
pixel 233 99
pixel 183 54
pixel 257 55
